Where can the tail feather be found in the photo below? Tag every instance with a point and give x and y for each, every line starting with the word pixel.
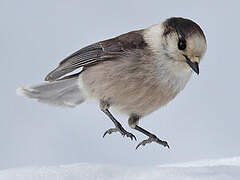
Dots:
pixel 66 93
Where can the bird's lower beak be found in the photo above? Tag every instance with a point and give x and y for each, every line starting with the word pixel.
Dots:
pixel 193 63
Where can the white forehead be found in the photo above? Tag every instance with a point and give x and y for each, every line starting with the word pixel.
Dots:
pixel 196 43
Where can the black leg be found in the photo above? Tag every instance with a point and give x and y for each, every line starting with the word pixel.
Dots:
pixel 116 123
pixel 152 138
pixel 133 123
pixel 118 127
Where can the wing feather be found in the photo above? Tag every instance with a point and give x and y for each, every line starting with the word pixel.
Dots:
pixel 105 50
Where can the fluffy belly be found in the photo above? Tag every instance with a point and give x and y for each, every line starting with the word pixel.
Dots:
pixel 127 88
pixel 142 102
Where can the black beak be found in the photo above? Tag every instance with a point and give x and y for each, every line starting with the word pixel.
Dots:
pixel 193 65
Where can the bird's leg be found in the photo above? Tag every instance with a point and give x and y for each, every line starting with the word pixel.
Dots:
pixel 152 138
pixel 118 127
pixel 133 121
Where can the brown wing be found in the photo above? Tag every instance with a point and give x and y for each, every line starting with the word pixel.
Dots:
pixel 105 50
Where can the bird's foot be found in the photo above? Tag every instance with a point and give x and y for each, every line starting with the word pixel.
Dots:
pixel 122 131
pixel 153 139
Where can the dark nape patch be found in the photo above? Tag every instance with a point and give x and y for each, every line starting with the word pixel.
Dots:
pixel 132 40
pixel 184 27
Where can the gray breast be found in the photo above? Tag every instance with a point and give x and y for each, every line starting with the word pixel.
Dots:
pixel 131 86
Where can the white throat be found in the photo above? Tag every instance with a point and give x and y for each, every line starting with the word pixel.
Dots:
pixel 174 74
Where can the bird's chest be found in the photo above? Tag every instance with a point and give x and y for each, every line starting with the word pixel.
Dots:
pixel 133 88
pixel 174 80
pixel 150 91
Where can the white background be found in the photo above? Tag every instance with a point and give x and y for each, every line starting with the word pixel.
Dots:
pixel 201 123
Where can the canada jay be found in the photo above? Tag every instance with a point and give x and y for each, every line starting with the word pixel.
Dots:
pixel 135 73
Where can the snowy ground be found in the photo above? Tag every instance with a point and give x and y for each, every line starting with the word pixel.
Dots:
pixel 222 169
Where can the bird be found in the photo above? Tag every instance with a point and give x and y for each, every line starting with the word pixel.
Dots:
pixel 135 73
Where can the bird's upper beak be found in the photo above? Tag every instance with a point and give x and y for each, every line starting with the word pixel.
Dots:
pixel 193 63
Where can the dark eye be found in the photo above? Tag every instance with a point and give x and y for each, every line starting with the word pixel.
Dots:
pixel 181 45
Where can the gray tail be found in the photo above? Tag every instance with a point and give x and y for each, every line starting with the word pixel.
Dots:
pixel 65 93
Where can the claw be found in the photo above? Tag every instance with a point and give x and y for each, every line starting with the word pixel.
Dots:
pixel 130 135
pixel 110 131
pixel 153 139
pixel 122 131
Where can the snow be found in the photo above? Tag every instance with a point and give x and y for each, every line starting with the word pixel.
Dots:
pixel 221 169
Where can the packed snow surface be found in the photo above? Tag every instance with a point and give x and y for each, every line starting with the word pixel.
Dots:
pixel 221 169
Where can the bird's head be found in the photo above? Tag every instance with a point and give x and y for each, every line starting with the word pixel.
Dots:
pixel 181 41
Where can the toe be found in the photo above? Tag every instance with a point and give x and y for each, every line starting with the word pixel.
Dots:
pixel 150 140
pixel 110 131
pixel 143 143
pixel 106 132
pixel 165 144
